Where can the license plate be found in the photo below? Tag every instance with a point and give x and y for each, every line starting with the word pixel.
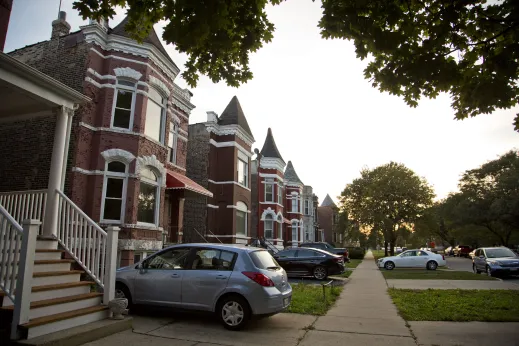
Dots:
pixel 286 301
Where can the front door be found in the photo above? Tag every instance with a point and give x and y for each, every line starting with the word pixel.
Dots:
pixel 206 278
pixel 159 280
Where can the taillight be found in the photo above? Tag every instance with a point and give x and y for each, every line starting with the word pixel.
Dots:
pixel 259 278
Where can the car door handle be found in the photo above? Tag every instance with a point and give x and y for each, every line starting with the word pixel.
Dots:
pixel 221 277
pixel 175 276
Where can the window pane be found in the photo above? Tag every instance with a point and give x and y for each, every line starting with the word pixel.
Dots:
pixel 124 99
pixel 149 174
pixel 242 177
pixel 112 209
pixel 169 260
pixel 122 118
pixel 136 258
pixel 153 121
pixel 263 260
pixel 305 253
pixel 155 96
pixel 114 188
pixel 146 211
pixel 269 192
pixel 287 253
pixel 117 166
pixel 226 260
pixel 241 222
pixel 207 259
pixel 269 225
pixel 125 82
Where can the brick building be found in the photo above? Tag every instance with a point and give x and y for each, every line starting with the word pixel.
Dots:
pixel 328 215
pixel 219 157
pixel 128 146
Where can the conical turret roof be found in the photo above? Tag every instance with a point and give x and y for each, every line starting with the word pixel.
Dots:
pixel 269 147
pixel 152 37
pixel 233 115
pixel 290 174
pixel 328 202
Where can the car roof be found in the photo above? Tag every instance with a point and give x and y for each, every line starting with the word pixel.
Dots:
pixel 239 247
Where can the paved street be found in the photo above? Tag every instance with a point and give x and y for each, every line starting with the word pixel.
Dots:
pixel 452 284
pixel 465 264
pixel 363 315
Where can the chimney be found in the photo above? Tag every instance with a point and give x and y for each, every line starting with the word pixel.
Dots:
pixel 212 117
pixel 60 27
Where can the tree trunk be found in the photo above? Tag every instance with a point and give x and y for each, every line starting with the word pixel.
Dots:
pixel 385 248
pixel 392 249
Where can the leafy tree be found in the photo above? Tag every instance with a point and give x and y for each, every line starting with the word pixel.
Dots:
pixel 469 49
pixel 387 198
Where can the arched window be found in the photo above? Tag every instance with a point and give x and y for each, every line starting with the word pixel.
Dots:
pixel 124 104
pixel 114 192
pixel 154 126
pixel 269 227
pixel 241 218
pixel 149 197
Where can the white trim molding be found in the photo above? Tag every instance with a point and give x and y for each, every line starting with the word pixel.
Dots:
pixel 127 72
pixel 160 85
pixel 273 203
pixel 119 130
pixel 238 208
pixel 118 155
pixel 271 212
pixel 272 163
pixel 225 130
pixel 153 162
pixel 231 144
pixel 213 206
pixel 270 175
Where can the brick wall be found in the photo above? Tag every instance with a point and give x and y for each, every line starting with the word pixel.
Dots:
pixel 197 162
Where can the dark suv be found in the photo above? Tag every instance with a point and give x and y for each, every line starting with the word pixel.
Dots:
pixel 327 247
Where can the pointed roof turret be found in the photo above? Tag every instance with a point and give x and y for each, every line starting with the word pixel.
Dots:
pixel 233 115
pixel 328 202
pixel 269 147
pixel 291 175
pixel 151 39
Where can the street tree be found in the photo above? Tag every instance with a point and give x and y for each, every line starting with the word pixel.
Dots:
pixel 386 199
pixel 469 49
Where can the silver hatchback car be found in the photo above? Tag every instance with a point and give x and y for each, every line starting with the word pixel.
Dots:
pixel 236 282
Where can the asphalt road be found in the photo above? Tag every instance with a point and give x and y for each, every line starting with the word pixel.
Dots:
pixel 465 264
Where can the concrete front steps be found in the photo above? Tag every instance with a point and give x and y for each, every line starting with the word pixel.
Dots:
pixel 59 299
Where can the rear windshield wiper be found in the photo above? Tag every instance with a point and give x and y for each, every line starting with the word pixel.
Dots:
pixel 275 267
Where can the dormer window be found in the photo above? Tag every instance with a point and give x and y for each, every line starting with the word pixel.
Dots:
pixel 155 115
pixel 124 104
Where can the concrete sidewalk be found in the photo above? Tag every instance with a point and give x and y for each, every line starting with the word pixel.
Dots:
pixel 363 315
pixel 452 284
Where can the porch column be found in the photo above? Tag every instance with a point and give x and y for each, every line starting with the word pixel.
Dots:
pixel 55 173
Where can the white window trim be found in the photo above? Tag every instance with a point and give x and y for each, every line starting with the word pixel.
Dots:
pixel 246 212
pixel 246 171
pixel 158 185
pixel 132 110
pixel 115 175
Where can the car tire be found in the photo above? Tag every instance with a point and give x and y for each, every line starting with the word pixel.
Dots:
pixel 389 265
pixel 320 273
pixel 233 312
pixel 431 265
pixel 121 291
pixel 475 269
pixel 488 271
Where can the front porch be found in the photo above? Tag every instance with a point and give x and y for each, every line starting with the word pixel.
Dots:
pixel 51 252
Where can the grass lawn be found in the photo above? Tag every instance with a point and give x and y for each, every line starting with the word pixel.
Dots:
pixel 457 305
pixel 308 299
pixel 353 263
pixel 422 274
pixel 346 274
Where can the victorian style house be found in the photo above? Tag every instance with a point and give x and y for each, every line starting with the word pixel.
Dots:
pixel 328 214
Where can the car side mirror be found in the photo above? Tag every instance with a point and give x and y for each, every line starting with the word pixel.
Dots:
pixel 482 257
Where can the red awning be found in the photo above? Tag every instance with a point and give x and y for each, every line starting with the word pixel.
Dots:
pixel 177 181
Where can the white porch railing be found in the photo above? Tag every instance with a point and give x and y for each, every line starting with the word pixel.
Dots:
pixel 93 249
pixel 23 205
pixel 18 248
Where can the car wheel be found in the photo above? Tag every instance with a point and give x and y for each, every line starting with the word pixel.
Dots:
pixel 475 269
pixel 320 273
pixel 489 272
pixel 389 265
pixel 233 312
pixel 432 265
pixel 121 291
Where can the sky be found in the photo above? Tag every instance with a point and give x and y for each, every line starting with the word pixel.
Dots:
pixel 325 117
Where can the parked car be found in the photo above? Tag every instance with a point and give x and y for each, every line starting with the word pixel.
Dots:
pixel 449 251
pixel 413 259
pixel 462 251
pixel 495 261
pixel 310 262
pixel 328 248
pixel 398 249
pixel 236 282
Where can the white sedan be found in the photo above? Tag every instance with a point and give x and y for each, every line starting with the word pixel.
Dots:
pixel 413 259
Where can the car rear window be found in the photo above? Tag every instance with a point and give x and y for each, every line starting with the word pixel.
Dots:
pixel 263 260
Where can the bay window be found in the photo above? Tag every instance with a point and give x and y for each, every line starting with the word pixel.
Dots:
pixel 149 197
pixel 172 143
pixel 295 204
pixel 124 104
pixel 269 190
pixel 155 115
pixel 114 192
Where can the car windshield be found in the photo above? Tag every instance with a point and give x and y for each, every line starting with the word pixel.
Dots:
pixel 498 253
pixel 263 260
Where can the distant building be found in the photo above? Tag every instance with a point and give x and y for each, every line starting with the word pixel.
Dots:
pixel 328 214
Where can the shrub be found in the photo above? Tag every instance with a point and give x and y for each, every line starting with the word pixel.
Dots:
pixel 356 253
